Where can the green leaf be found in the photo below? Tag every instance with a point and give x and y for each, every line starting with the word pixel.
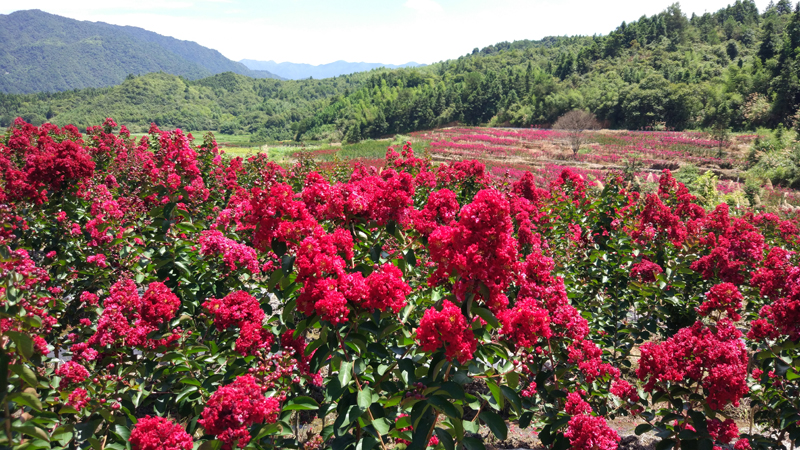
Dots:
pixel 382 425
pixel 28 399
pixel 666 444
pixel 643 428
pixel 62 434
pixel 364 398
pixel 23 342
pixel 792 375
pixel 419 439
pixel 512 397
pixel 512 379
pixel 443 405
pixel 192 381
pixel 123 432
pixel 486 315
pixel 210 445
pixel 471 443
pixel 411 259
pixel 184 394
pixel 25 373
pixel 301 404
pixel 345 373
pixel 445 439
pixel 496 393
pixel 495 423
pixel 68 410
pixel 33 431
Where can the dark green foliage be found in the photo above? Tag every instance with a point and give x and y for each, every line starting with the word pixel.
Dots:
pixel 45 52
pixel 226 102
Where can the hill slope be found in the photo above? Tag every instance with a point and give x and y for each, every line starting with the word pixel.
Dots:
pixel 294 71
pixel 736 68
pixel 44 52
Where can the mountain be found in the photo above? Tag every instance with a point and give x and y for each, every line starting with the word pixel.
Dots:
pixel 736 68
pixel 295 71
pixel 41 52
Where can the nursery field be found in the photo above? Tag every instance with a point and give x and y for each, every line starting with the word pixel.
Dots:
pixel 490 290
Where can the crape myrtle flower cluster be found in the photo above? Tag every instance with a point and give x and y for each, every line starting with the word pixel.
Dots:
pixel 188 297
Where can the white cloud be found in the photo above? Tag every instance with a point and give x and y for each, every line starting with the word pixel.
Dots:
pixel 426 6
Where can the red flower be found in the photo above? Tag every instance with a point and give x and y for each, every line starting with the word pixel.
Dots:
pixel 71 373
pixel 159 433
pixel 723 432
pixel 717 360
pixel 441 209
pixel 576 405
pixel 589 432
pixel 645 271
pixel 387 290
pixel 233 408
pixel 722 297
pixel 78 398
pixel 159 304
pixel 234 254
pixel 525 323
pixel 240 309
pixel 447 328
pixel 480 248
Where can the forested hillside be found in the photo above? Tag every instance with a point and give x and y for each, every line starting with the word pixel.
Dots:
pixel 41 52
pixel 226 102
pixel 736 68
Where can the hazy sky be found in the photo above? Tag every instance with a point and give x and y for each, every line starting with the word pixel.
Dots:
pixel 385 31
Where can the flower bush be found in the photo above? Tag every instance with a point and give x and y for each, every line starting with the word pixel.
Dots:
pixel 155 293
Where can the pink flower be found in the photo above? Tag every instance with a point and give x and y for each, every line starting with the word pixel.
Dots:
pixel 157 433
pixel 589 432
pixel 99 260
pixel 78 398
pixel 576 405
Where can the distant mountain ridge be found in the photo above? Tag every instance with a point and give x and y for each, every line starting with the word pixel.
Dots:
pixel 295 71
pixel 42 52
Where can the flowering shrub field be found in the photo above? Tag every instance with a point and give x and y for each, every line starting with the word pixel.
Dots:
pixel 155 295
pixel 651 147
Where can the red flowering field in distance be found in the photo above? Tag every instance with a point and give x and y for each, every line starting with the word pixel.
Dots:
pixel 157 294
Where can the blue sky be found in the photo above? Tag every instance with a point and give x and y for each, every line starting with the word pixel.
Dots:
pixel 385 31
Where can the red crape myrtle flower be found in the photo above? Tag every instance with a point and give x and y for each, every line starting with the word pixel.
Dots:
pixel 722 297
pixel 447 328
pixel 240 309
pixel 715 359
pixel 234 254
pixel 78 399
pixel 645 271
pixel 589 432
pixel 525 323
pixel 159 433
pixel 233 408
pixel 576 405
pixel 387 290
pixel 71 373
pixel 782 317
pixel 480 248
